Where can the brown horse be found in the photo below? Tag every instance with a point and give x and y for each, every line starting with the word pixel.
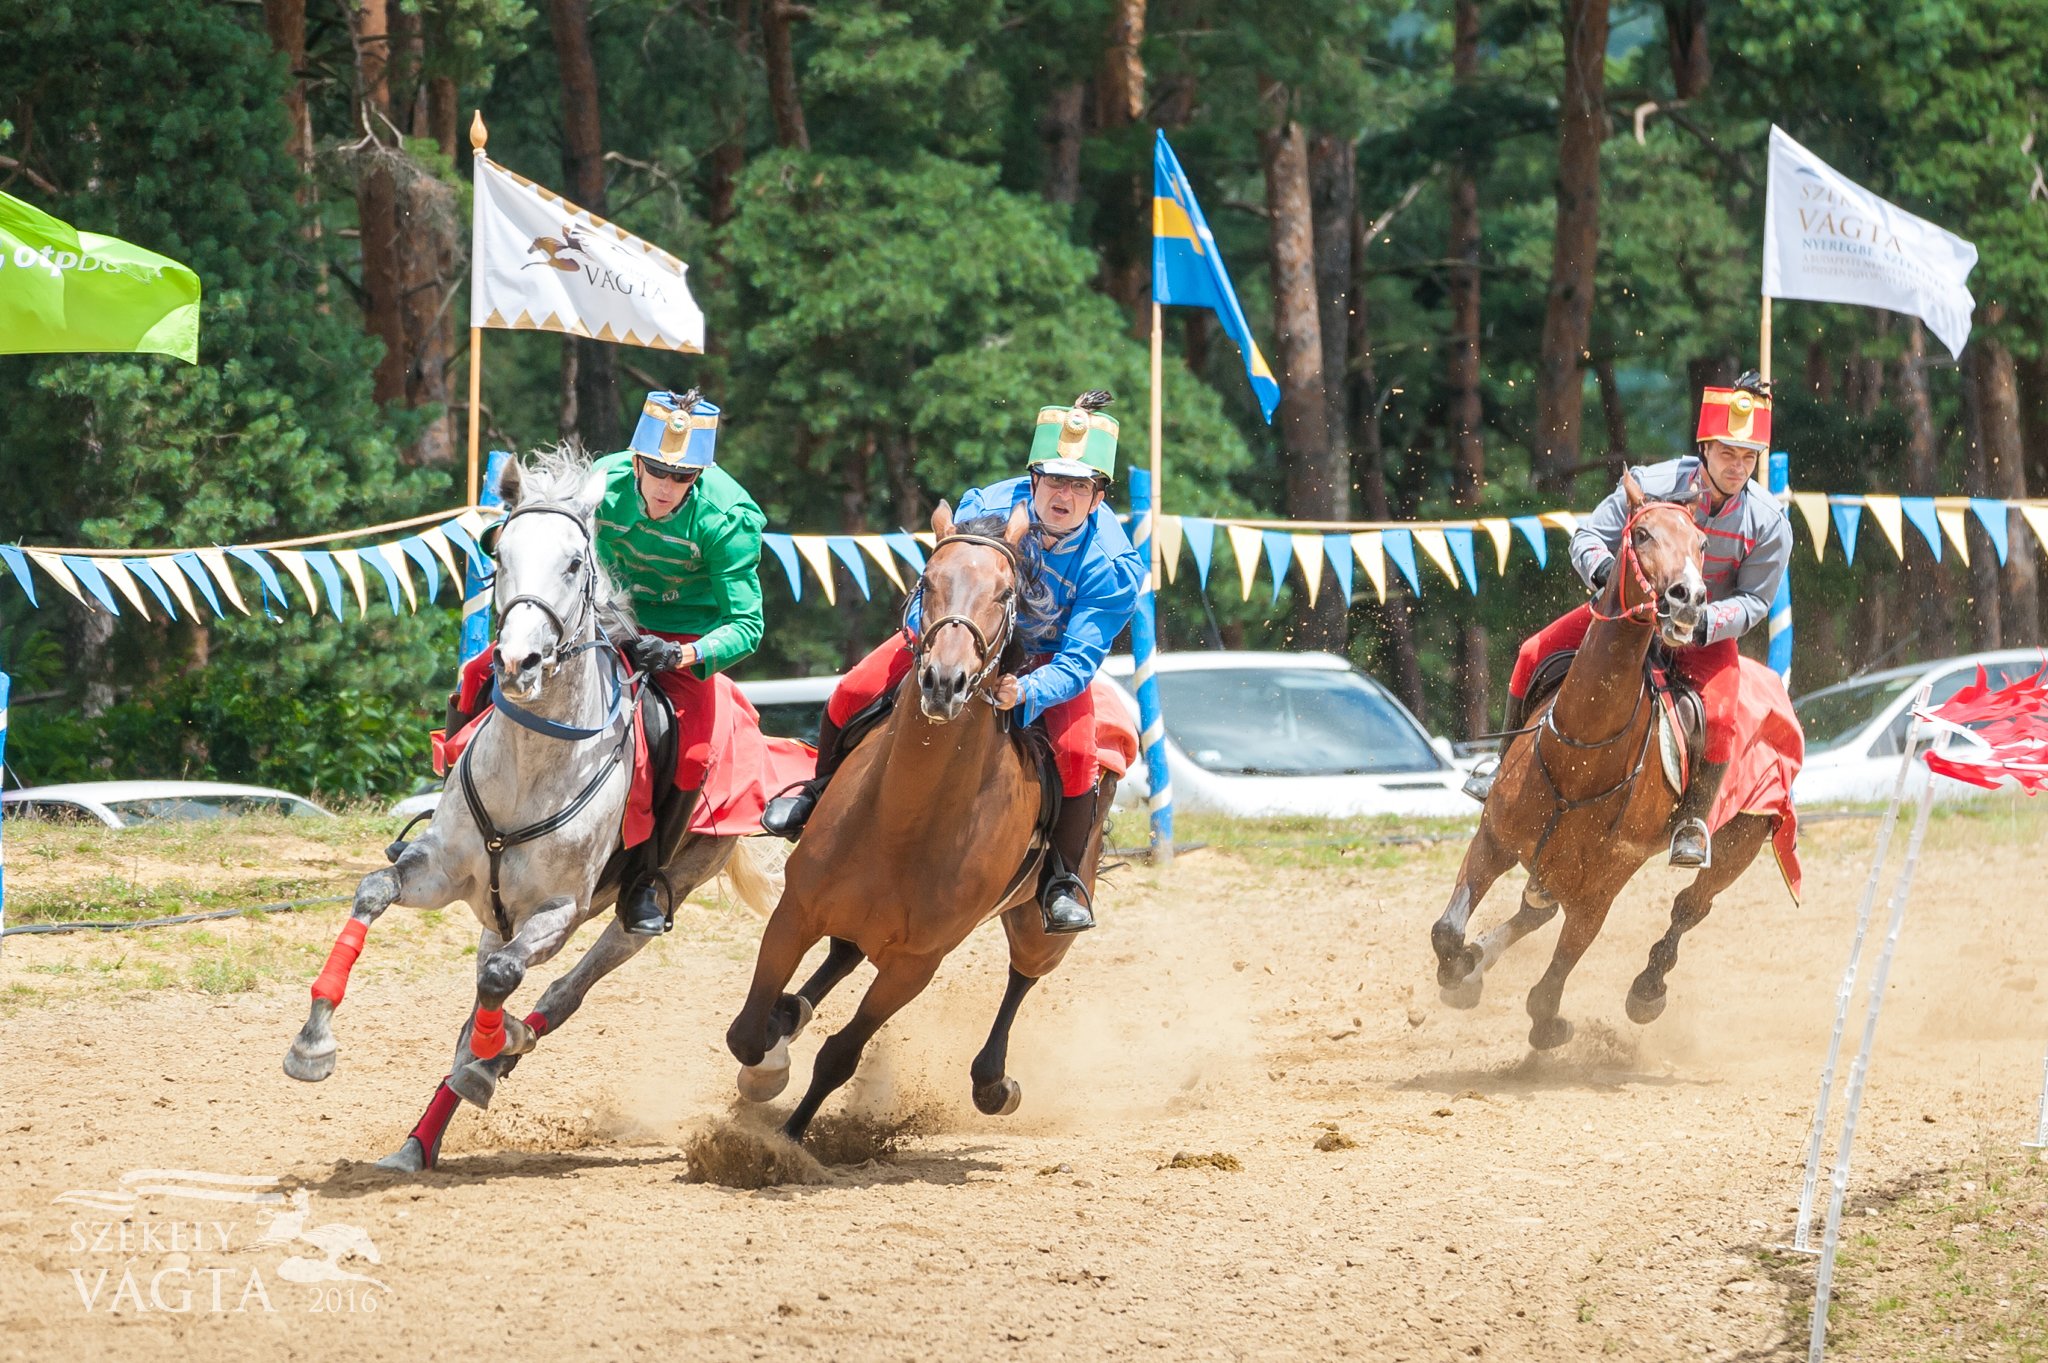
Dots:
pixel 1579 799
pixel 921 838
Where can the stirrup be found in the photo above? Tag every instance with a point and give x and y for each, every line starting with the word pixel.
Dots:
pixel 653 926
pixel 1479 782
pixel 1686 858
pixel 1054 904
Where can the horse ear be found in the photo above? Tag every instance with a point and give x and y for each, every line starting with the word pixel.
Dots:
pixel 1019 526
pixel 942 519
pixel 1633 489
pixel 590 496
pixel 510 479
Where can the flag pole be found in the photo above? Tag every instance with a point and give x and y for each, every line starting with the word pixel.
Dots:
pixel 1764 342
pixel 478 135
pixel 1145 507
pixel 1158 479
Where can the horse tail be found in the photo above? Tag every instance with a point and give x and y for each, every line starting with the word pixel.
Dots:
pixel 754 873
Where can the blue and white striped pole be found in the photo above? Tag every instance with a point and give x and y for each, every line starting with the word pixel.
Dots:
pixel 3 783
pixel 1781 605
pixel 476 586
pixel 1144 636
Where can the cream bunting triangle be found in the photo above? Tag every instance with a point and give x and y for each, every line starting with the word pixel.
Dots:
pixel 352 568
pixel 2037 521
pixel 1245 544
pixel 395 556
pixel 1169 545
pixel 217 567
pixel 1370 550
pixel 60 574
pixel 1563 520
pixel 1502 532
pixel 815 553
pixel 878 549
pixel 1814 507
pixel 1885 510
pixel 1951 519
pixel 119 574
pixel 1439 550
pixel 173 577
pixel 1308 552
pixel 295 563
pixel 438 543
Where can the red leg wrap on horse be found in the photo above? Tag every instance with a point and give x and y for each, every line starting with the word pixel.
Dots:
pixel 434 1121
pixel 539 1022
pixel 487 1037
pixel 333 980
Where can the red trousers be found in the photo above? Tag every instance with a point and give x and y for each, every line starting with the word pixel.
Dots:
pixel 1070 724
pixel 690 696
pixel 1714 671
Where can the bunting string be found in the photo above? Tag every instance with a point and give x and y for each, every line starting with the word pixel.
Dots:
pixel 1316 555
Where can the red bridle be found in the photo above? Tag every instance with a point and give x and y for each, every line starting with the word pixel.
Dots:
pixel 1645 610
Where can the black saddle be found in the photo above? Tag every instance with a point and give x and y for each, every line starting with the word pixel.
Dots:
pixel 657 716
pixel 1660 675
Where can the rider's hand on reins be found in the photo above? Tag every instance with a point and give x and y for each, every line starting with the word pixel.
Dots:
pixel 1008 695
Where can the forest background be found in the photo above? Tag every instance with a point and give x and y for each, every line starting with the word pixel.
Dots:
pixel 1493 249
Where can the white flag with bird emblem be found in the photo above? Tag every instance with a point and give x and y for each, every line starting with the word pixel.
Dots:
pixel 540 263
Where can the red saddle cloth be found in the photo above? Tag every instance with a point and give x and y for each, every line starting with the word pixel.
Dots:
pixel 1769 750
pixel 1116 737
pixel 746 768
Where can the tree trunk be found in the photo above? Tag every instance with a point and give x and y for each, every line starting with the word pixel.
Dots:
pixel 1316 490
pixel 1986 613
pixel 1568 309
pixel 729 157
pixel 1369 469
pixel 1926 587
pixel 1120 93
pixel 444 115
pixel 784 101
pixel 377 202
pixel 1708 371
pixel 1685 34
pixel 2033 376
pixel 286 22
pixel 590 403
pixel 1062 130
pixel 1120 102
pixel 2006 477
pixel 1333 192
pixel 1465 416
pixel 1616 417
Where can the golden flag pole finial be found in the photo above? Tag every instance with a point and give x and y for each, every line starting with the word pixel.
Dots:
pixel 478 134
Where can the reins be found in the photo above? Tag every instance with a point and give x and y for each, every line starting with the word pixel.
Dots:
pixel 991 656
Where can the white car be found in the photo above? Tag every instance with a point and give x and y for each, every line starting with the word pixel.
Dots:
pixel 1264 734
pixel 126 804
pixel 1855 729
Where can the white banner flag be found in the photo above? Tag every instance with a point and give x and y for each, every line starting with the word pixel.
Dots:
pixel 540 263
pixel 1829 240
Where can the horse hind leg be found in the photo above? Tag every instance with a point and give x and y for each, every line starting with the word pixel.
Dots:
pixel 995 1093
pixel 1485 862
pixel 759 1036
pixel 490 1033
pixel 1735 846
pixel 896 983
pixel 1538 907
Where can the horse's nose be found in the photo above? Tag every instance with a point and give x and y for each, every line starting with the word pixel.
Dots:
pixel 530 661
pixel 1686 595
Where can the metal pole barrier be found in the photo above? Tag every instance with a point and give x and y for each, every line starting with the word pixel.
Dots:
pixel 1151 721
pixel 1859 1071
pixel 476 586
pixel 1802 1231
pixel 2040 1141
pixel 1781 605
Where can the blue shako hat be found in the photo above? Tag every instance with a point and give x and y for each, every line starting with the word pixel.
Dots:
pixel 677 430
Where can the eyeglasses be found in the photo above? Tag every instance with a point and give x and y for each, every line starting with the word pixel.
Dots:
pixel 668 475
pixel 1068 483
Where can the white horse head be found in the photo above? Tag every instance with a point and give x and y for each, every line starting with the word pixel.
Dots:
pixel 551 592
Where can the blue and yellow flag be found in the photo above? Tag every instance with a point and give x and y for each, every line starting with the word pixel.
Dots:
pixel 1188 271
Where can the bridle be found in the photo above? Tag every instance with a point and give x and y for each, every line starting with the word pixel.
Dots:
pixel 1652 606
pixel 587 598
pixel 989 653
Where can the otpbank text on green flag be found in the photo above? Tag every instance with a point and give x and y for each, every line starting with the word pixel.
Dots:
pixel 63 291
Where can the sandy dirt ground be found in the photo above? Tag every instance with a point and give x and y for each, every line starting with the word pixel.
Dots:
pixel 1409 1181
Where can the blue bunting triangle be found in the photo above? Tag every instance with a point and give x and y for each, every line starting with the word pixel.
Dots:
pixel 1993 516
pixel 907 548
pixel 1200 537
pixel 1459 538
pixel 1920 512
pixel 322 564
pixel 1279 553
pixel 784 548
pixel 88 572
pixel 189 564
pixel 1399 546
pixel 385 571
pixel 17 563
pixel 847 552
pixel 1337 549
pixel 416 549
pixel 1532 531
pixel 145 572
pixel 261 567
pixel 460 538
pixel 1848 518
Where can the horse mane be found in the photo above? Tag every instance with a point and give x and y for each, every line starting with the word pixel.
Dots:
pixel 557 474
pixel 1036 609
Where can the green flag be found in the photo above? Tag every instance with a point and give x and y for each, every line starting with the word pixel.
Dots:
pixel 62 290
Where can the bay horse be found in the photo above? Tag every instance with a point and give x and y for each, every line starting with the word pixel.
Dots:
pixel 544 784
pixel 921 837
pixel 1580 800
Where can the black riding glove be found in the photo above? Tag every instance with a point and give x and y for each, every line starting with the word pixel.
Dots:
pixel 1601 573
pixel 1699 633
pixel 651 653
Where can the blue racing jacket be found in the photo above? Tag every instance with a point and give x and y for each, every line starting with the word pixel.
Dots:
pixel 1094 574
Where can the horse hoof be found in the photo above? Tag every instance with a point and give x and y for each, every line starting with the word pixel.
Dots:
pixel 764 1082
pixel 1642 1011
pixel 475 1083
pixel 999 1099
pixel 1465 993
pixel 310 1064
pixel 410 1158
pixel 1549 1034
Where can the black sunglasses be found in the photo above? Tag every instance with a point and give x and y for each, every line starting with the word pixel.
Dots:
pixel 669 475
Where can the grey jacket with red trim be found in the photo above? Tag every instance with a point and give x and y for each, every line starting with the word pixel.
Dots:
pixel 1749 542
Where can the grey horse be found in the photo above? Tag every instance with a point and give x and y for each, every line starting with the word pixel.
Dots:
pixel 564 769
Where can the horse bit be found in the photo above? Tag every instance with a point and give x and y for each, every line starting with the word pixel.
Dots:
pixel 991 657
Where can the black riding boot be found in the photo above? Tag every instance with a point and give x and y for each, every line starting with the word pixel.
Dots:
pixel 1479 785
pixel 646 900
pixel 1691 845
pixel 459 718
pixel 1063 899
pixel 788 812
